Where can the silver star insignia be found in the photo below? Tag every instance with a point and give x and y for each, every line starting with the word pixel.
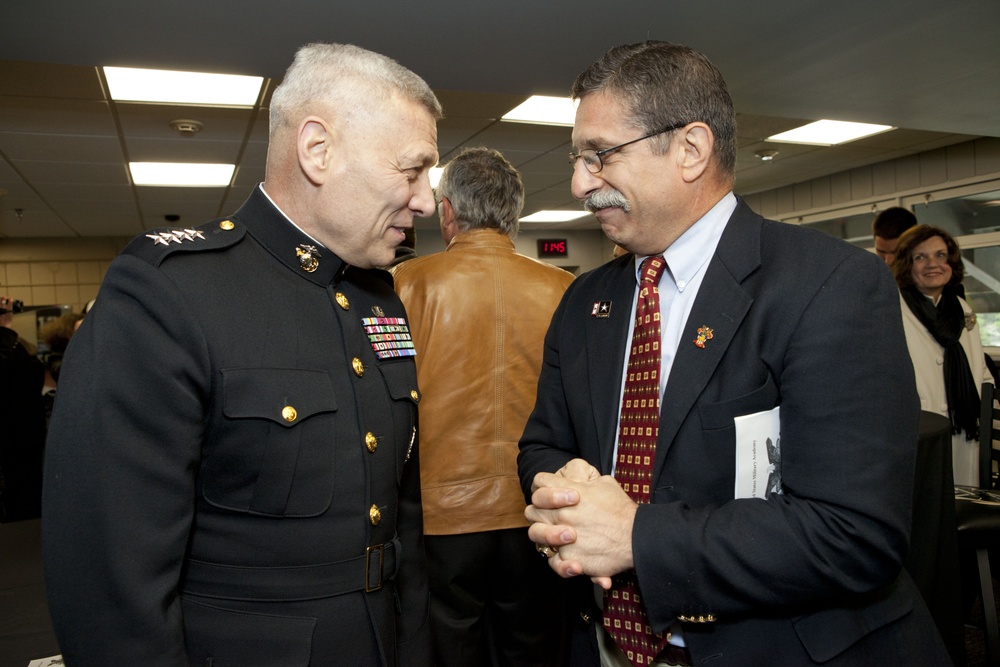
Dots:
pixel 156 239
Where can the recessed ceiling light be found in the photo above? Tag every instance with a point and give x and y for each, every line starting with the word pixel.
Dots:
pixel 543 110
pixel 435 175
pixel 767 154
pixel 128 84
pixel 829 133
pixel 183 174
pixel 554 216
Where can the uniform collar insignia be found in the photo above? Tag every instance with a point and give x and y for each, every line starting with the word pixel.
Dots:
pixel 308 257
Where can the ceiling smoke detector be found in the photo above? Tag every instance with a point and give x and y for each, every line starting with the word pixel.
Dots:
pixel 186 127
pixel 766 155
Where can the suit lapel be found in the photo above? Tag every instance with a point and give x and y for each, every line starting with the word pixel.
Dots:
pixel 606 353
pixel 721 304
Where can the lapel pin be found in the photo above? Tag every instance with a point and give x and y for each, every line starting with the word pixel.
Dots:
pixel 704 334
pixel 601 309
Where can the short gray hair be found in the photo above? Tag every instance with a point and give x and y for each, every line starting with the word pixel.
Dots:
pixel 484 189
pixel 348 74
pixel 663 84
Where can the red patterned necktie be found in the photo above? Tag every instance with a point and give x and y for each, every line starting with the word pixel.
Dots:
pixel 624 615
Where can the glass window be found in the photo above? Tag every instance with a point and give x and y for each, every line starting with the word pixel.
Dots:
pixel 962 216
pixel 855 229
pixel 982 290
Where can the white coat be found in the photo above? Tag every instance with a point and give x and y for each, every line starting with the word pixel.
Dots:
pixel 928 366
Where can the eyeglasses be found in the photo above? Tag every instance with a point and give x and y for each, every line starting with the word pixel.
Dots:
pixel 593 159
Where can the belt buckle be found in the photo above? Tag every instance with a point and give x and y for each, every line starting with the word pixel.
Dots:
pixel 374 549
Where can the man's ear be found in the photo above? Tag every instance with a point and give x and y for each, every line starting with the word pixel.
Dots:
pixel 449 226
pixel 697 144
pixel 315 149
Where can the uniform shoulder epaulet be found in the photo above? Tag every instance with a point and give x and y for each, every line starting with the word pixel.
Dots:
pixel 157 244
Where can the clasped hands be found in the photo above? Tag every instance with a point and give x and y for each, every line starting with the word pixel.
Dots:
pixel 586 518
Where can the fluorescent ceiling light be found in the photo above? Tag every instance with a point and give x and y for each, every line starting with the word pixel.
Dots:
pixel 435 175
pixel 554 216
pixel 829 133
pixel 127 84
pixel 543 110
pixel 181 174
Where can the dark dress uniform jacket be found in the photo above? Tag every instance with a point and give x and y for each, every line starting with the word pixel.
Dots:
pixel 801 321
pixel 232 472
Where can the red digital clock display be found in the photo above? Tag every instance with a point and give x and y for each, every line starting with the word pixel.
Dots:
pixel 551 247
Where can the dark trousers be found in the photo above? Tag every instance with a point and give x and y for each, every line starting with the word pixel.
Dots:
pixel 494 601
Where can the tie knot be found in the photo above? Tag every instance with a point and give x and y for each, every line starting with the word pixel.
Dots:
pixel 652 269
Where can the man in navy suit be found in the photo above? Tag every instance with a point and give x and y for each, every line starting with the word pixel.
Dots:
pixel 755 316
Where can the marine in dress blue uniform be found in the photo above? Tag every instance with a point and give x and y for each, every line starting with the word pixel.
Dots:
pixel 226 398
pixel 232 473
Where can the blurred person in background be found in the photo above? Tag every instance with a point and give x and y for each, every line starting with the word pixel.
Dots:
pixel 479 311
pixel 942 336
pixel 886 228
pixel 22 420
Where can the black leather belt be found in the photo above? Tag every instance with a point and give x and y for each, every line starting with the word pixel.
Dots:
pixel 367 572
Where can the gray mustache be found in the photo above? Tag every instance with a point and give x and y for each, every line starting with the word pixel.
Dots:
pixel 606 199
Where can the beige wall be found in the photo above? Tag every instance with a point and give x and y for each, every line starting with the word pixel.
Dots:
pixel 963 163
pixel 45 272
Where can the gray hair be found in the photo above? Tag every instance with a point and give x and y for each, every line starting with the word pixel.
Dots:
pixel 484 189
pixel 347 74
pixel 662 84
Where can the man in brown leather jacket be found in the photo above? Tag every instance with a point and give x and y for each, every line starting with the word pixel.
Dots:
pixel 478 314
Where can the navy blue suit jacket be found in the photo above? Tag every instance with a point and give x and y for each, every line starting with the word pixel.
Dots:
pixel 802 321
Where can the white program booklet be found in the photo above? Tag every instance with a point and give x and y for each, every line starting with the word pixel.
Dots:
pixel 54 661
pixel 758 454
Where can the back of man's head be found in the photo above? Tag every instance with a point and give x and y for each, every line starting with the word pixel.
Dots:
pixel 484 189
pixel 662 84
pixel 892 222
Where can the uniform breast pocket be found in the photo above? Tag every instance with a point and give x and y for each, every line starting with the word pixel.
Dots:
pixel 401 383
pixel 274 452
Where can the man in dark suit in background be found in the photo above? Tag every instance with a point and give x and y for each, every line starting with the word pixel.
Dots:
pixel 764 328
pixel 232 473
pixel 887 227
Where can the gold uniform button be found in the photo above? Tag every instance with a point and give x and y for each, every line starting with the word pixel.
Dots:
pixel 289 414
pixel 342 301
pixel 359 368
pixel 414 395
pixel 371 442
pixel 374 515
pixel 227 225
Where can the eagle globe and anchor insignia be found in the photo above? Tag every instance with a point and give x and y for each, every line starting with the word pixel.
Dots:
pixel 308 257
